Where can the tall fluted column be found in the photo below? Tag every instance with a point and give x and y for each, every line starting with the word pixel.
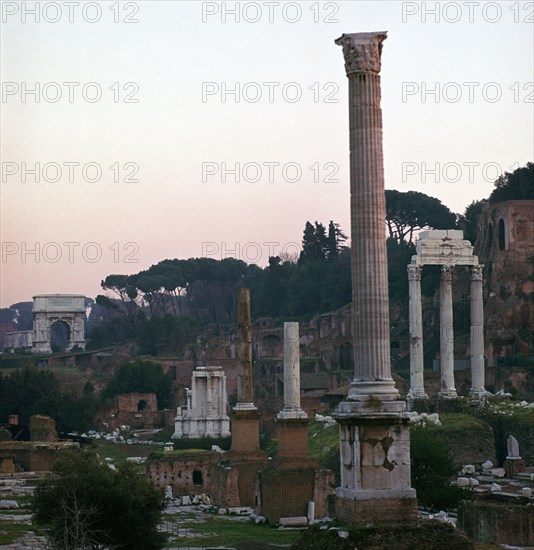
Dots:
pixel 244 350
pixel 477 333
pixel 291 373
pixel 417 384
pixel 446 333
pixel 373 424
pixel 370 307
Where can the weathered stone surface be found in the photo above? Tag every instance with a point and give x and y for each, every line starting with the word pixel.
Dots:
pixel 292 407
pixel 513 447
pixel 505 241
pixel 205 415
pixel 42 428
pixel 297 521
pixel 497 520
pixel 50 308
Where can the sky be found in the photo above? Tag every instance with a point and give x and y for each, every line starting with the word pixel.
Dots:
pixel 137 131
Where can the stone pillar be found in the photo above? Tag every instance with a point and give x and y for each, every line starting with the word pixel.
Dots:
pixel 373 424
pixel 244 351
pixel 188 394
pixel 245 416
pixel 370 307
pixel 446 331
pixel 417 384
pixel 477 333
pixel 292 421
pixel 291 373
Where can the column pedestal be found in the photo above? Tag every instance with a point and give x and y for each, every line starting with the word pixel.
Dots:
pixel 245 428
pixel 375 463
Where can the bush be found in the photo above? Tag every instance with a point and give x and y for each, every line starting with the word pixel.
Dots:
pixel 86 505
pixel 432 467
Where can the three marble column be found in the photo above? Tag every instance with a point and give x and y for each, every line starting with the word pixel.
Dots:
pixel 448 390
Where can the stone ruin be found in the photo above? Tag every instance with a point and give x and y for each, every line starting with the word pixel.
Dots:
pixel 448 249
pixel 49 309
pixel 205 414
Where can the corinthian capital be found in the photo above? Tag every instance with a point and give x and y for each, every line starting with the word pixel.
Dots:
pixel 362 51
pixel 414 272
pixel 476 272
pixel 446 272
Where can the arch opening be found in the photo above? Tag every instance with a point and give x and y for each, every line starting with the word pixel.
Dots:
pixel 59 336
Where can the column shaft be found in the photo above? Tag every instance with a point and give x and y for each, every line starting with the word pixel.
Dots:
pixel 291 373
pixel 244 347
pixel 446 333
pixel 370 306
pixel 417 386
pixel 477 333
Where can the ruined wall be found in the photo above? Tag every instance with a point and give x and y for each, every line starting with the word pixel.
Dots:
pixel 31 456
pixel 187 474
pixel 497 521
pixel 42 428
pixel 505 242
pixel 285 493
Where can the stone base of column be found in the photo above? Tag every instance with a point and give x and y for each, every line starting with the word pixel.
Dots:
pixel 448 394
pixel 417 393
pixel 383 390
pixel 477 393
pixel 513 466
pixel 375 462
pixel 381 509
pixel 245 428
pixel 292 435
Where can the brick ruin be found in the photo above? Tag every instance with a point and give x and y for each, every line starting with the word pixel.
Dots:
pixel 36 455
pixel 137 410
pixel 245 476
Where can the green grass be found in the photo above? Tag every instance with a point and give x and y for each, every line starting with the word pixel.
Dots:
pixel 176 452
pixel 120 451
pixel 224 531
pixel 10 531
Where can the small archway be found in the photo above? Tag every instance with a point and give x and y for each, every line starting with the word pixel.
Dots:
pixel 59 336
pixel 197 478
pixel 142 405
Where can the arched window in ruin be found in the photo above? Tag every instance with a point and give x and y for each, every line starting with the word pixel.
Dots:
pixel 197 477
pixel 502 235
pixel 173 372
pixel 141 406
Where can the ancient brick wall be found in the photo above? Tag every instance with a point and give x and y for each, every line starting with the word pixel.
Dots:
pixel 323 488
pixel 224 485
pixel 42 428
pixel 378 510
pixel 495 522
pixel 187 474
pixel 285 493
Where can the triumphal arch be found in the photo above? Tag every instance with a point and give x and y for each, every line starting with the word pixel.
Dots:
pixel 49 309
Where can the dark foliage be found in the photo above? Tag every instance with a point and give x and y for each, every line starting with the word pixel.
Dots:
pixel 85 505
